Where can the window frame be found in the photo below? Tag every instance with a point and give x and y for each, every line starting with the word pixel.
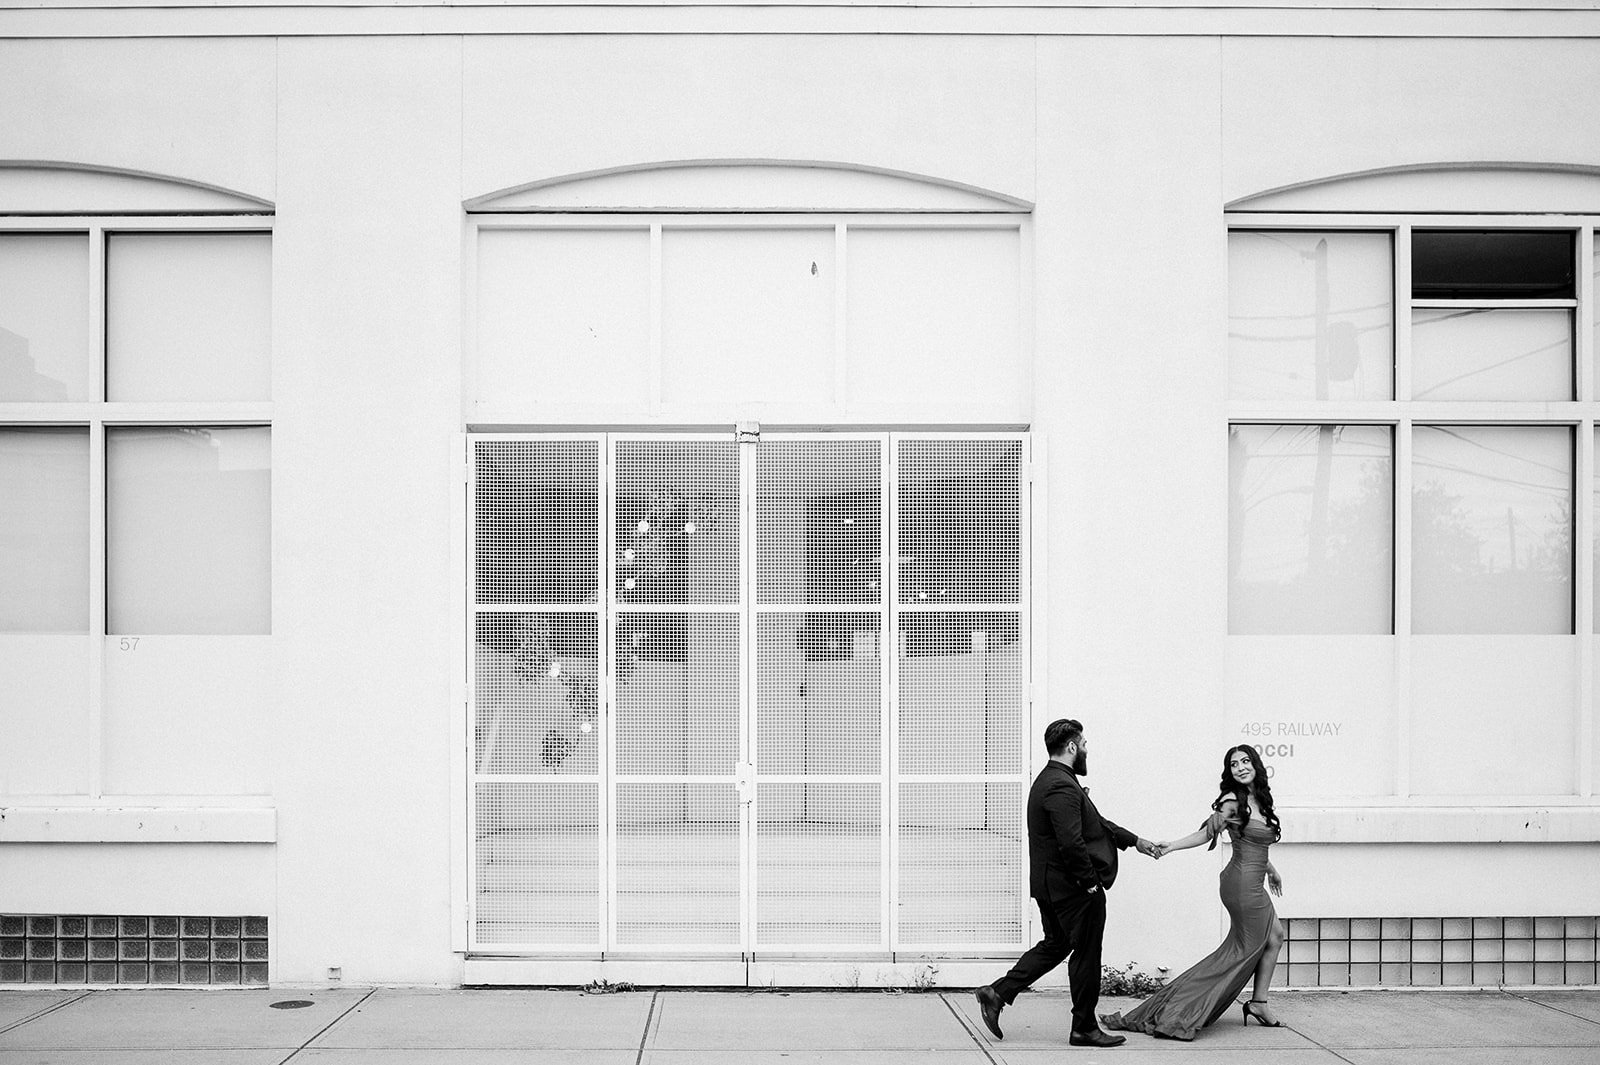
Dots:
pixel 1580 415
pixel 98 415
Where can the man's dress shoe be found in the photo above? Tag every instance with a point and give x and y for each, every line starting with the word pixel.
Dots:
pixel 989 1005
pixel 1096 1038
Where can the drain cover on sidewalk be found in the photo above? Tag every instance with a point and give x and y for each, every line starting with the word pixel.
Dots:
pixel 291 1004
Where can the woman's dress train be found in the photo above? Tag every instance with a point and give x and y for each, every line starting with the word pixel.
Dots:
pixel 1208 989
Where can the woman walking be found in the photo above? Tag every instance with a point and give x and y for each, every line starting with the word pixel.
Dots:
pixel 1250 952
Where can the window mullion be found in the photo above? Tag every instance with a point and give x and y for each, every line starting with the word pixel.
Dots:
pixel 655 387
pixel 1583 514
pixel 1402 313
pixel 95 741
pixel 1402 605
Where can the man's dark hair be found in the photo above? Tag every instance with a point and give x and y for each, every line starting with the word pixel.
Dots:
pixel 1059 733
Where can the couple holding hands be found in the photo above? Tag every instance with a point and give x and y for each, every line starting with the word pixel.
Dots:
pixel 1072 861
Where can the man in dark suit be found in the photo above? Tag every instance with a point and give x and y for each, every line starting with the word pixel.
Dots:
pixel 1072 861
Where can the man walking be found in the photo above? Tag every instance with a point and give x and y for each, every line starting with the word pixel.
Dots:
pixel 1072 861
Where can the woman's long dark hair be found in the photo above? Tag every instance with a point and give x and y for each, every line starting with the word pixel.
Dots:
pixel 1232 789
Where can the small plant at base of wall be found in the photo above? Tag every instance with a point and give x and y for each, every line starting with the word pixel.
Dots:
pixel 1129 982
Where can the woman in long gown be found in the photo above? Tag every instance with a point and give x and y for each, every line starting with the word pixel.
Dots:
pixel 1205 992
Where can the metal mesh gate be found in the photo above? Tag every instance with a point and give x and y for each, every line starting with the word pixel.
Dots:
pixel 732 699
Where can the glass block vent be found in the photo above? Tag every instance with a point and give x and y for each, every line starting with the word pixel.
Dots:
pixel 1437 951
pixel 162 950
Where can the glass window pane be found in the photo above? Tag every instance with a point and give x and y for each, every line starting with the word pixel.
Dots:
pixel 1477 353
pixel 728 293
pixel 1310 529
pixel 188 316
pixel 188 530
pixel 1491 521
pixel 1310 315
pixel 44 530
pixel 44 318
pixel 563 317
pixel 1492 264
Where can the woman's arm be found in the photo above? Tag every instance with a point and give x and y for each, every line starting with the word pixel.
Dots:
pixel 1274 881
pixel 1209 829
pixel 1193 839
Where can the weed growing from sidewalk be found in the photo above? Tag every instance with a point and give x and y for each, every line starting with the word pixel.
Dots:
pixel 606 987
pixel 1128 982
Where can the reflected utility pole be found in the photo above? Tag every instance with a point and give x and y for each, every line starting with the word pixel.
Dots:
pixel 1317 527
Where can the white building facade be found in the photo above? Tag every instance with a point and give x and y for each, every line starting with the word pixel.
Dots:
pixel 528 494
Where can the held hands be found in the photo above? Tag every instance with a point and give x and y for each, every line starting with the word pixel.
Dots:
pixel 1154 850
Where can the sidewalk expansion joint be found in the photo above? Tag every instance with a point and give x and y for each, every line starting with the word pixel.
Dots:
pixel 324 1029
pixel 649 1018
pixel 46 1011
pixel 1549 1006
pixel 971 1032
pixel 1318 1045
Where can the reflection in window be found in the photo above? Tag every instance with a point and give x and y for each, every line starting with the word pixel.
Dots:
pixel 1309 531
pixel 1595 541
pixel 44 530
pixel 44 318
pixel 1310 315
pixel 1491 519
pixel 188 530
pixel 1482 353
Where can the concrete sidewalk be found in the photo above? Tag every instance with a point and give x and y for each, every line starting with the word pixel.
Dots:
pixel 513 1027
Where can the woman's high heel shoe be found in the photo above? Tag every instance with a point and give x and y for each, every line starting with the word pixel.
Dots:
pixel 1248 1013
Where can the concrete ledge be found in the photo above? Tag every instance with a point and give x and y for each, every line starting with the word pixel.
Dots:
pixel 575 972
pixel 872 972
pixel 138 824
pixel 1443 824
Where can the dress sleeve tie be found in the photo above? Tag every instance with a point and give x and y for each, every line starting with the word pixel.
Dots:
pixel 1213 825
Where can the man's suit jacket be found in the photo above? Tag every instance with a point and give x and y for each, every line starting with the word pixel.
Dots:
pixel 1071 848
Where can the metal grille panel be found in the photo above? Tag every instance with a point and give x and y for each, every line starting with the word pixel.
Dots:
pixel 537 693
pixel 615 810
pixel 962 701
pixel 676 521
pixel 819 522
pixel 963 860
pixel 960 519
pixel 537 860
pixel 536 514
pixel 819 864
pixel 819 688
pixel 678 693
pixel 678 865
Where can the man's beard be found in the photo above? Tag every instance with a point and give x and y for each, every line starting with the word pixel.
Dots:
pixel 1080 764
